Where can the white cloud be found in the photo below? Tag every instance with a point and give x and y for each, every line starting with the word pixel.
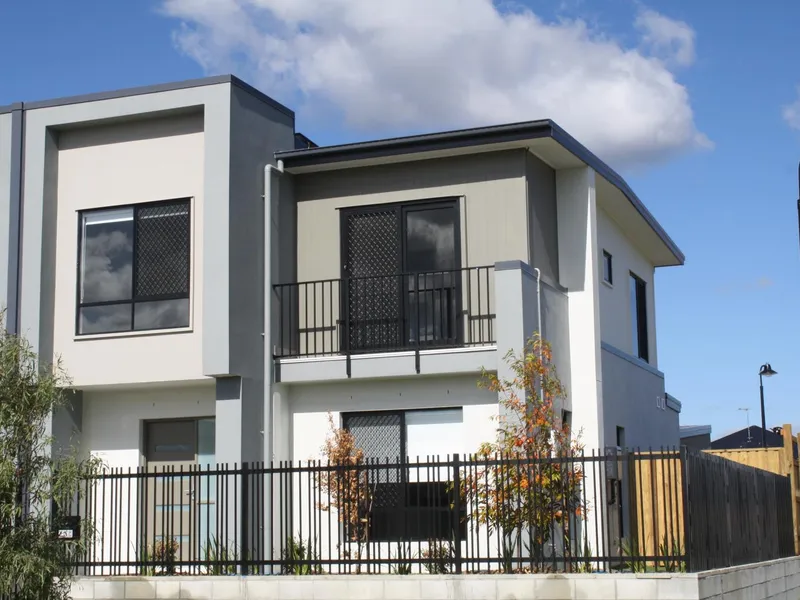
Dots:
pixel 791 112
pixel 667 38
pixel 400 65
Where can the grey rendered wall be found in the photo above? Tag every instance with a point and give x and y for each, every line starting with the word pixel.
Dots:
pixel 555 329
pixel 542 217
pixel 9 162
pixel 258 130
pixel 697 442
pixel 633 398
pixel 493 212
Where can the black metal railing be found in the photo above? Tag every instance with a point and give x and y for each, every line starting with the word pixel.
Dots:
pixel 408 311
pixel 656 511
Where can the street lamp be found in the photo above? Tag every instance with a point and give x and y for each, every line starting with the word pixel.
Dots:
pixel 765 371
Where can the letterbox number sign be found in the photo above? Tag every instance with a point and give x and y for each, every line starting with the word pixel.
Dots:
pixel 68 528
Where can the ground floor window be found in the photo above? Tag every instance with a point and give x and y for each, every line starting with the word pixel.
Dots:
pixel 411 500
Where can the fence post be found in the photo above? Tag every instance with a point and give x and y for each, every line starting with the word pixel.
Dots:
pixel 687 530
pixel 457 511
pixel 245 518
pixel 347 331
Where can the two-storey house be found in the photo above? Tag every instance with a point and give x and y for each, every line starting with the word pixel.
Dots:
pixel 216 286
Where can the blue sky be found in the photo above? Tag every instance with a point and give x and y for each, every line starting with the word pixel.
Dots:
pixel 685 98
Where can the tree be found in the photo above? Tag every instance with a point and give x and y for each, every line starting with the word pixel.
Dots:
pixel 34 563
pixel 528 484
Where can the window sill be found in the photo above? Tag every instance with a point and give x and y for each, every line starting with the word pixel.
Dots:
pixel 128 334
pixel 608 285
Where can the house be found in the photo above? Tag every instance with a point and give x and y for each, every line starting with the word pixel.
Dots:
pixel 750 437
pixel 696 437
pixel 216 285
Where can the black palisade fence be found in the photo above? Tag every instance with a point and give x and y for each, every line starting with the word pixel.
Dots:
pixel 615 511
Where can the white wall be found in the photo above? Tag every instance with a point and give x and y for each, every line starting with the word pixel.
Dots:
pixel 310 405
pixel 120 165
pixel 615 301
pixel 112 420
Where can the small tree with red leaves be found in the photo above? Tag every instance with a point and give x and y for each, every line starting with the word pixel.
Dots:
pixel 527 484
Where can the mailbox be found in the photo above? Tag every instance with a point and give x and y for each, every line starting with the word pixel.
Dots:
pixel 67 528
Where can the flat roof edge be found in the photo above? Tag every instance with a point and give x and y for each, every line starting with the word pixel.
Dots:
pixel 10 108
pixel 154 89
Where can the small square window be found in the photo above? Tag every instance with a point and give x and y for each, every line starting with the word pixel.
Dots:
pixel 134 268
pixel 608 268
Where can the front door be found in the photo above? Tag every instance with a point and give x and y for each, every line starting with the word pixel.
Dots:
pixel 402 285
pixel 180 514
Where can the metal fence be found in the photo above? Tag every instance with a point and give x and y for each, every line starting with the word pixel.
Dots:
pixel 406 311
pixel 626 511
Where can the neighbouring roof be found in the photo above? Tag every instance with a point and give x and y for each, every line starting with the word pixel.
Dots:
pixel 515 135
pixel 749 437
pixel 693 430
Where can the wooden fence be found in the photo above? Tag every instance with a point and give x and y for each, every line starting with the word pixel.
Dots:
pixel 774 460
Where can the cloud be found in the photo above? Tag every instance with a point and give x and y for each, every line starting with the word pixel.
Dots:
pixel 672 40
pixel 791 112
pixel 394 66
pixel 740 287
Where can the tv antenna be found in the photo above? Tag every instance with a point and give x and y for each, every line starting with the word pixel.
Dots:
pixel 747 414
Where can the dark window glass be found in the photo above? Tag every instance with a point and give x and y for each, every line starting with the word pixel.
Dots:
pixel 638 303
pixel 400 509
pixel 431 239
pixel 134 268
pixel 620 437
pixel 608 268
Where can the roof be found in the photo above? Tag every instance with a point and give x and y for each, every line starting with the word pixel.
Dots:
pixel 151 89
pixel 693 430
pixel 475 138
pixel 749 437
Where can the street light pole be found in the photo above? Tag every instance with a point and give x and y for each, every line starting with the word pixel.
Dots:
pixel 766 370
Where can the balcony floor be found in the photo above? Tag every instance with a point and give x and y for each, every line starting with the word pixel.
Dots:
pixel 386 364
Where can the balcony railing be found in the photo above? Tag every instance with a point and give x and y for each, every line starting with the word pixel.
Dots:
pixel 389 313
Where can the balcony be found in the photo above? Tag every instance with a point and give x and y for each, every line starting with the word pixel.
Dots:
pixel 406 312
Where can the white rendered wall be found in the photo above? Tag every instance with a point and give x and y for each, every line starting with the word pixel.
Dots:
pixel 615 300
pixel 114 166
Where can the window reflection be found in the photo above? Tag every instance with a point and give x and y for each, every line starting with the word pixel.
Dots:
pixel 107 255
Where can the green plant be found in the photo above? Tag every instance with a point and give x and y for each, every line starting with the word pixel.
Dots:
pixel 298 558
pixel 673 549
pixel 528 487
pixel 165 555
pixel 221 559
pixel 403 567
pixel 41 478
pixel 630 550
pixel 438 557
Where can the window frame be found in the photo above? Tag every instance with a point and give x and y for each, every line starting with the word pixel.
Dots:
pixel 608 258
pixel 134 300
pixel 639 312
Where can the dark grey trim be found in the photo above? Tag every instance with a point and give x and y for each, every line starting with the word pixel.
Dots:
pixel 475 137
pixel 417 143
pixel 15 219
pixel 693 430
pixel 161 87
pixel 631 359
pixel 10 108
pixel 675 404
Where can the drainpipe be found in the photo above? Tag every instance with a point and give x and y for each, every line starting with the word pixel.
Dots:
pixel 271 173
pixel 539 322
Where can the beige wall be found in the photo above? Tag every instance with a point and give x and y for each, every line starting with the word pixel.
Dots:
pixel 493 206
pixel 113 166
pixel 615 302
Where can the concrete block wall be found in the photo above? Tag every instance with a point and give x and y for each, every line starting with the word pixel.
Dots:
pixel 775 580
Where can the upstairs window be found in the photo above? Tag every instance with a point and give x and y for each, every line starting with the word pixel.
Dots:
pixel 639 318
pixel 134 268
pixel 608 268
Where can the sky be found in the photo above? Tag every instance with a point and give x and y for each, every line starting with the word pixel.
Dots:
pixel 697 104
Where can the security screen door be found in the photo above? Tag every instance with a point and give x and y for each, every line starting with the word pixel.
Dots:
pixel 180 508
pixel 402 286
